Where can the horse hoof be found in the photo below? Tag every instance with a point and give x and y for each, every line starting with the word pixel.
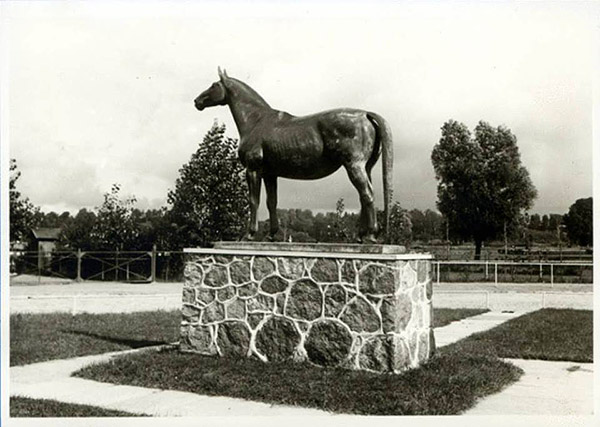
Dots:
pixel 368 240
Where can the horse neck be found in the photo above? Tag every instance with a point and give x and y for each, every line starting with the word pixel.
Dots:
pixel 247 107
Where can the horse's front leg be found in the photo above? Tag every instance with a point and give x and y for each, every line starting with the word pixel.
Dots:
pixel 271 187
pixel 253 178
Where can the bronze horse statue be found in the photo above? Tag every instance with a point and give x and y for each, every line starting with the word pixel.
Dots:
pixel 276 144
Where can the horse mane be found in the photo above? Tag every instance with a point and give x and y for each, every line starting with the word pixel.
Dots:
pixel 246 92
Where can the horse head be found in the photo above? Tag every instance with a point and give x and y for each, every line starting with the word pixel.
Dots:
pixel 216 94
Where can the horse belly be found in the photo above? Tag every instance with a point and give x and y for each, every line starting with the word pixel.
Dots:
pixel 297 154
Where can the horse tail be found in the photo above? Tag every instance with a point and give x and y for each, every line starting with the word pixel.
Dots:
pixel 383 142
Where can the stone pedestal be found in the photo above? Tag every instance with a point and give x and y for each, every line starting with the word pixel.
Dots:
pixel 355 306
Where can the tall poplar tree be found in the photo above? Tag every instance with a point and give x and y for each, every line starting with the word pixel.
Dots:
pixel 483 187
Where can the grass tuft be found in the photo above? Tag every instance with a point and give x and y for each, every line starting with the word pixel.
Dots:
pixel 26 407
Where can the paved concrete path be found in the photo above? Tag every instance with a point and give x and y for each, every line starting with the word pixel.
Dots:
pixel 546 388
pixel 456 331
pixel 52 380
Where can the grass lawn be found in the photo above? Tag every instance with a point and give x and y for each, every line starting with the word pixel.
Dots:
pixel 447 384
pixel 547 334
pixel 445 316
pixel 26 407
pixel 41 337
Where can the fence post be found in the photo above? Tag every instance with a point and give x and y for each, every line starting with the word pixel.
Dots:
pixel 496 274
pixel 438 272
pixel 551 274
pixel 540 270
pixel 79 265
pixel 117 265
pixel 153 264
pixel 486 269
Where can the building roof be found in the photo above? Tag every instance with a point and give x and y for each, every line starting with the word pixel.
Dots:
pixel 44 233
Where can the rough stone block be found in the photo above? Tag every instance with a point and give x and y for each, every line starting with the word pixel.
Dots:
pixel 305 300
pixel 277 339
pixel 291 268
pixel 262 267
pixel 325 270
pixel 360 316
pixel 335 300
pixel 216 276
pixel 328 343
pixel 213 313
pixel 273 284
pixel 240 272
pixel 377 279
pixel 233 339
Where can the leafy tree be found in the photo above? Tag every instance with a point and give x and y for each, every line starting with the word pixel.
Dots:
pixel 338 227
pixel 400 232
pixel 210 199
pixel 23 214
pixel 482 185
pixel 78 233
pixel 115 227
pixel 579 222
pixel 535 222
pixel 426 225
pixel 545 222
pixel 155 228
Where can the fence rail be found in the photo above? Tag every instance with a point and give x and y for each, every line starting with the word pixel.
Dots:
pixel 128 266
pixel 513 272
pixel 155 265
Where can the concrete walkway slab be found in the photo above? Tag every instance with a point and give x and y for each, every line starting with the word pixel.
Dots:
pixel 456 331
pixel 546 388
pixel 52 380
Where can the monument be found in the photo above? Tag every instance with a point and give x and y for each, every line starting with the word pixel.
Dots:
pixel 359 306
pixel 276 144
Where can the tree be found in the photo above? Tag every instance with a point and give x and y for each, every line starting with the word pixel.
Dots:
pixel 115 227
pixel 426 225
pixel 210 199
pixel 400 232
pixel 23 214
pixel 579 222
pixel 483 188
pixel 535 223
pixel 79 232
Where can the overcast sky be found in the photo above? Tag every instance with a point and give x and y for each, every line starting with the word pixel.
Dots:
pixel 103 93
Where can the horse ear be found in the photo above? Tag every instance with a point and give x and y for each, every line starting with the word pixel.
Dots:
pixel 222 74
pixel 225 73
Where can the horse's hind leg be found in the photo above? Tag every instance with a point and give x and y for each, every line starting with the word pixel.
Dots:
pixel 253 178
pixel 271 187
pixel 368 220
